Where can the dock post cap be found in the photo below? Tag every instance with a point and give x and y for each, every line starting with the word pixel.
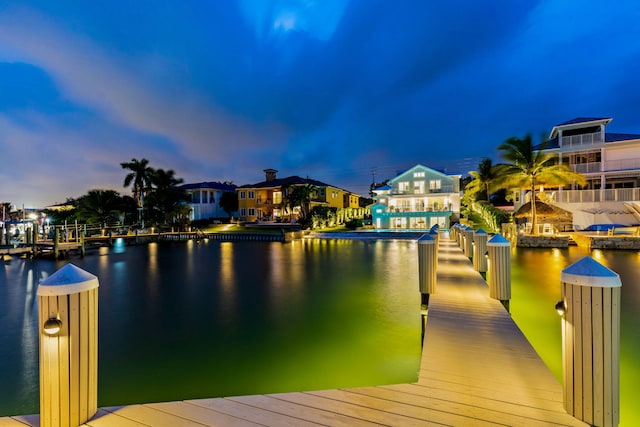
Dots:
pixel 589 272
pixel 480 231
pixel 498 240
pixel 69 279
pixel 426 240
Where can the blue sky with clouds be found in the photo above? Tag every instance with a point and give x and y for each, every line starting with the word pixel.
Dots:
pixel 330 89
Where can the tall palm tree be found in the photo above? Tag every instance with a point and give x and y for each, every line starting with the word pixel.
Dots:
pixel 166 199
pixel 140 175
pixel 529 167
pixel 483 178
pixel 297 196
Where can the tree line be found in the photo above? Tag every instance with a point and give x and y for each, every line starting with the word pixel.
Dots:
pixel 156 200
pixel 526 167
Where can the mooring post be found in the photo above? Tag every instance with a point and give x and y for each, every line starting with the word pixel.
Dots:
pixel 82 244
pixel 590 310
pixel 468 242
pixel 56 242
pixel 499 269
pixel 68 334
pixel 427 264
pixel 435 235
pixel 453 230
pixel 479 250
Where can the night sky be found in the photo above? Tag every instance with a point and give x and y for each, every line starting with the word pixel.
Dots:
pixel 335 90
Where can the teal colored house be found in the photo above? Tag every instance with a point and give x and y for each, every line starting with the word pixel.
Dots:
pixel 416 199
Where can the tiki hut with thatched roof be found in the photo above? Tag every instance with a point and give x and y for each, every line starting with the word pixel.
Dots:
pixel 546 214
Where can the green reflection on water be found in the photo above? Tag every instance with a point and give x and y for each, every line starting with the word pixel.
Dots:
pixel 535 291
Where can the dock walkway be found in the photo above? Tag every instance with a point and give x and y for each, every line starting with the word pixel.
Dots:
pixel 477 369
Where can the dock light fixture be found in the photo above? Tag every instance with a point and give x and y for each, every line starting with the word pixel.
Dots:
pixel 561 308
pixel 52 327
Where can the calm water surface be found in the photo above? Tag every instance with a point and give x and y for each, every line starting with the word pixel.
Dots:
pixel 189 320
pixel 535 291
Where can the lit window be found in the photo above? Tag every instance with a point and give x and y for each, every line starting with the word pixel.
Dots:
pixel 403 186
pixel 418 174
pixel 435 184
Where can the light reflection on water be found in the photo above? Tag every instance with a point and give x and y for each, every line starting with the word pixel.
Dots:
pixel 207 319
pixel 536 289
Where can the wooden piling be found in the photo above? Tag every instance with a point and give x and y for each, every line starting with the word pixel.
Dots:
pixel 591 342
pixel 68 319
pixel 499 269
pixel 479 250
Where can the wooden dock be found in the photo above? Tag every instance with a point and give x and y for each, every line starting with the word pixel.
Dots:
pixel 477 369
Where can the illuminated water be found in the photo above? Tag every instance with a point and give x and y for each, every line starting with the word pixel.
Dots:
pixel 207 319
pixel 535 291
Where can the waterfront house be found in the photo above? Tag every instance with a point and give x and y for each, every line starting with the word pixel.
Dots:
pixel 417 199
pixel 205 199
pixel 610 162
pixel 263 200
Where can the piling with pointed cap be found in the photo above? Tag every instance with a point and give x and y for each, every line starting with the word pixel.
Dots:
pixel 468 242
pixel 68 333
pixel 499 269
pixel 591 342
pixel 427 265
pixel 479 250
pixel 434 233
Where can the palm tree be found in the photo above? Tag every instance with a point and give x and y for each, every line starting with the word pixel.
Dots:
pixel 140 175
pixel 297 196
pixel 101 206
pixel 483 178
pixel 166 201
pixel 529 167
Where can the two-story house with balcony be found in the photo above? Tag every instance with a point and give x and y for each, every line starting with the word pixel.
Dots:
pixel 417 199
pixel 263 200
pixel 610 162
pixel 205 199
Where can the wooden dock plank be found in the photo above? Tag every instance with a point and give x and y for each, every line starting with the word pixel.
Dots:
pixel 372 414
pixel 249 413
pixel 203 414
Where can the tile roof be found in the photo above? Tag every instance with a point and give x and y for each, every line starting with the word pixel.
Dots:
pixel 212 185
pixel 583 120
pixel 290 180
pixel 615 137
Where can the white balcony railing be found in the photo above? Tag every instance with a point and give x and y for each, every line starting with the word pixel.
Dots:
pixel 622 164
pixel 593 196
pixel 587 167
pixel 581 141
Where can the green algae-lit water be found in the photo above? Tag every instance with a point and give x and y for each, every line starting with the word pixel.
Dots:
pixel 189 320
pixel 535 291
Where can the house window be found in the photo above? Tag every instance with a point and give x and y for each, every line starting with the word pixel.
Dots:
pixel 435 184
pixel 195 197
pixel 322 192
pixel 403 186
pixel 418 187
pixel 243 195
pixel 277 197
pixel 243 212
pixel 251 195
pixel 252 212
pixel 418 174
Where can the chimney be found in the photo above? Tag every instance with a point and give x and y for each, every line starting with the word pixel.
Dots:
pixel 270 174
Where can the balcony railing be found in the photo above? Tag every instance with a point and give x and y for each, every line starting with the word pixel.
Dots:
pixel 593 196
pixel 587 167
pixel 581 141
pixel 622 164
pixel 443 189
